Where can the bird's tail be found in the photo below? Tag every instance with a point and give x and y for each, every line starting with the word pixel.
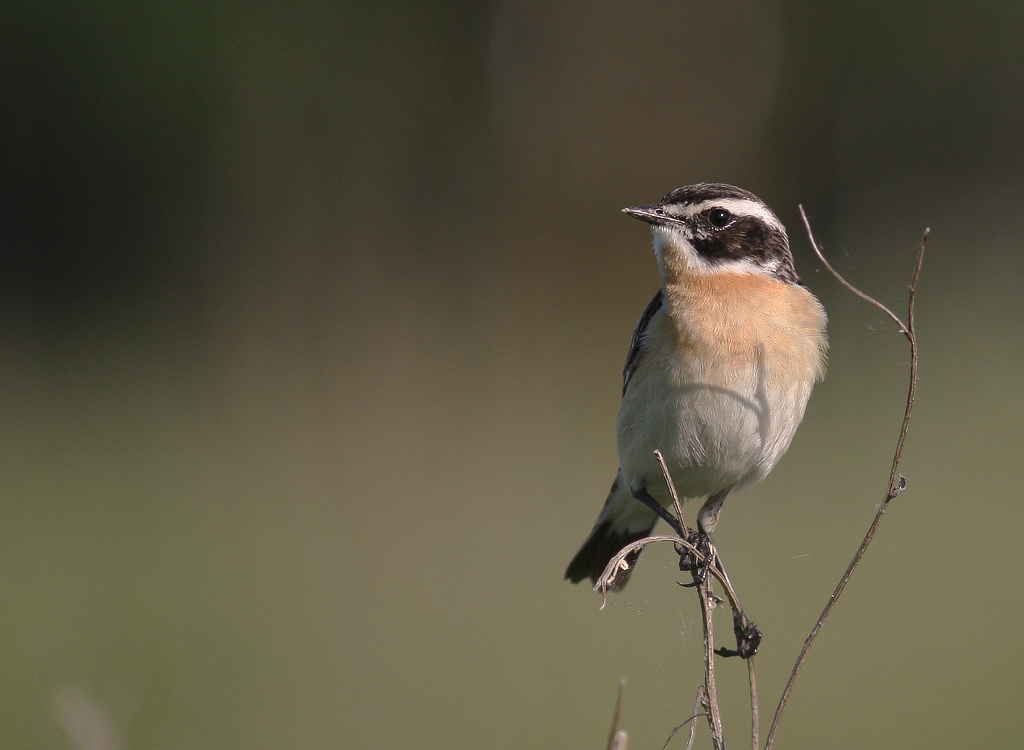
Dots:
pixel 623 519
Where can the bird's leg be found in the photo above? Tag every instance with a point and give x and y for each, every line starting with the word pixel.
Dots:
pixel 641 494
pixel 707 519
pixel 687 560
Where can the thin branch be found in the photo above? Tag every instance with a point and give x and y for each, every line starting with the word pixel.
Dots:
pixel 707 599
pixel 746 630
pixel 754 718
pixel 618 562
pixel 748 637
pixel 697 713
pixel 697 703
pixel 617 739
pixel 714 718
pixel 897 482
pixel 671 487
pixel 693 729
pixel 839 277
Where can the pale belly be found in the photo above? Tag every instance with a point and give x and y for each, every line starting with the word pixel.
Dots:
pixel 717 432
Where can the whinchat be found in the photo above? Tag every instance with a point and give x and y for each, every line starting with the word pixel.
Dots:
pixel 719 369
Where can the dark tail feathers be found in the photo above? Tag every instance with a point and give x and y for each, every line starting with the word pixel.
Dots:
pixel 601 546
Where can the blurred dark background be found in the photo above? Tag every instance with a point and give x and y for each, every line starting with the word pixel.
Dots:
pixel 312 317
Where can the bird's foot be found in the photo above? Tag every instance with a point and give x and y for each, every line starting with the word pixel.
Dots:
pixel 698 566
pixel 748 637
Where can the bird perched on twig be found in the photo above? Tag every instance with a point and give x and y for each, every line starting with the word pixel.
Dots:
pixel 719 370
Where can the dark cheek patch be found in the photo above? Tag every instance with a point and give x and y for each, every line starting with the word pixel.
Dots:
pixel 745 238
pixel 748 239
pixel 712 248
pixel 726 245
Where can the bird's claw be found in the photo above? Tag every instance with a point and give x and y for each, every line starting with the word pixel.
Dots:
pixel 689 562
pixel 748 638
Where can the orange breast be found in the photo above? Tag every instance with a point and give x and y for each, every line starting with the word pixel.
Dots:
pixel 742 317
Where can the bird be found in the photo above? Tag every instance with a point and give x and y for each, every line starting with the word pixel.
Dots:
pixel 719 371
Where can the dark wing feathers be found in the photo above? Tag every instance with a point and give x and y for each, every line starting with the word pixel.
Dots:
pixel 636 344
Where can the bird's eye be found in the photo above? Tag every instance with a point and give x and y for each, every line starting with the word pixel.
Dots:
pixel 719 217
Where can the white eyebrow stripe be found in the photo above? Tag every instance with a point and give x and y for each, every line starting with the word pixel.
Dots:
pixel 739 207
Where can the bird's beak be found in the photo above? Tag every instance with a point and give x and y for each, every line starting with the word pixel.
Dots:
pixel 651 214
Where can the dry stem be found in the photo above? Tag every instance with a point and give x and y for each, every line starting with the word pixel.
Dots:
pixel 697 713
pixel 754 714
pixel 617 739
pixel 708 601
pixel 714 717
pixel 897 482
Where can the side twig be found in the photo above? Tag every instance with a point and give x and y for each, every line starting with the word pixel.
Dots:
pixel 697 713
pixel 755 738
pixel 897 482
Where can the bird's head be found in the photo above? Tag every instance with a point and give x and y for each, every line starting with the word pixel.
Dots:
pixel 711 227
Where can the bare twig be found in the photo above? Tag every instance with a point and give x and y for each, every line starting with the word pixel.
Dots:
pixel 754 718
pixel 697 713
pixel 897 482
pixel 714 718
pixel 697 703
pixel 707 599
pixel 618 562
pixel 88 724
pixel 742 625
pixel 618 739
pixel 748 637
pixel 671 487
pixel 745 629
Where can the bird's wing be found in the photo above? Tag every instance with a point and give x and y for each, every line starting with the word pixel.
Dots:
pixel 636 344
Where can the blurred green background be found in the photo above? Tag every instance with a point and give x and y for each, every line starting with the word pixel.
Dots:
pixel 312 318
